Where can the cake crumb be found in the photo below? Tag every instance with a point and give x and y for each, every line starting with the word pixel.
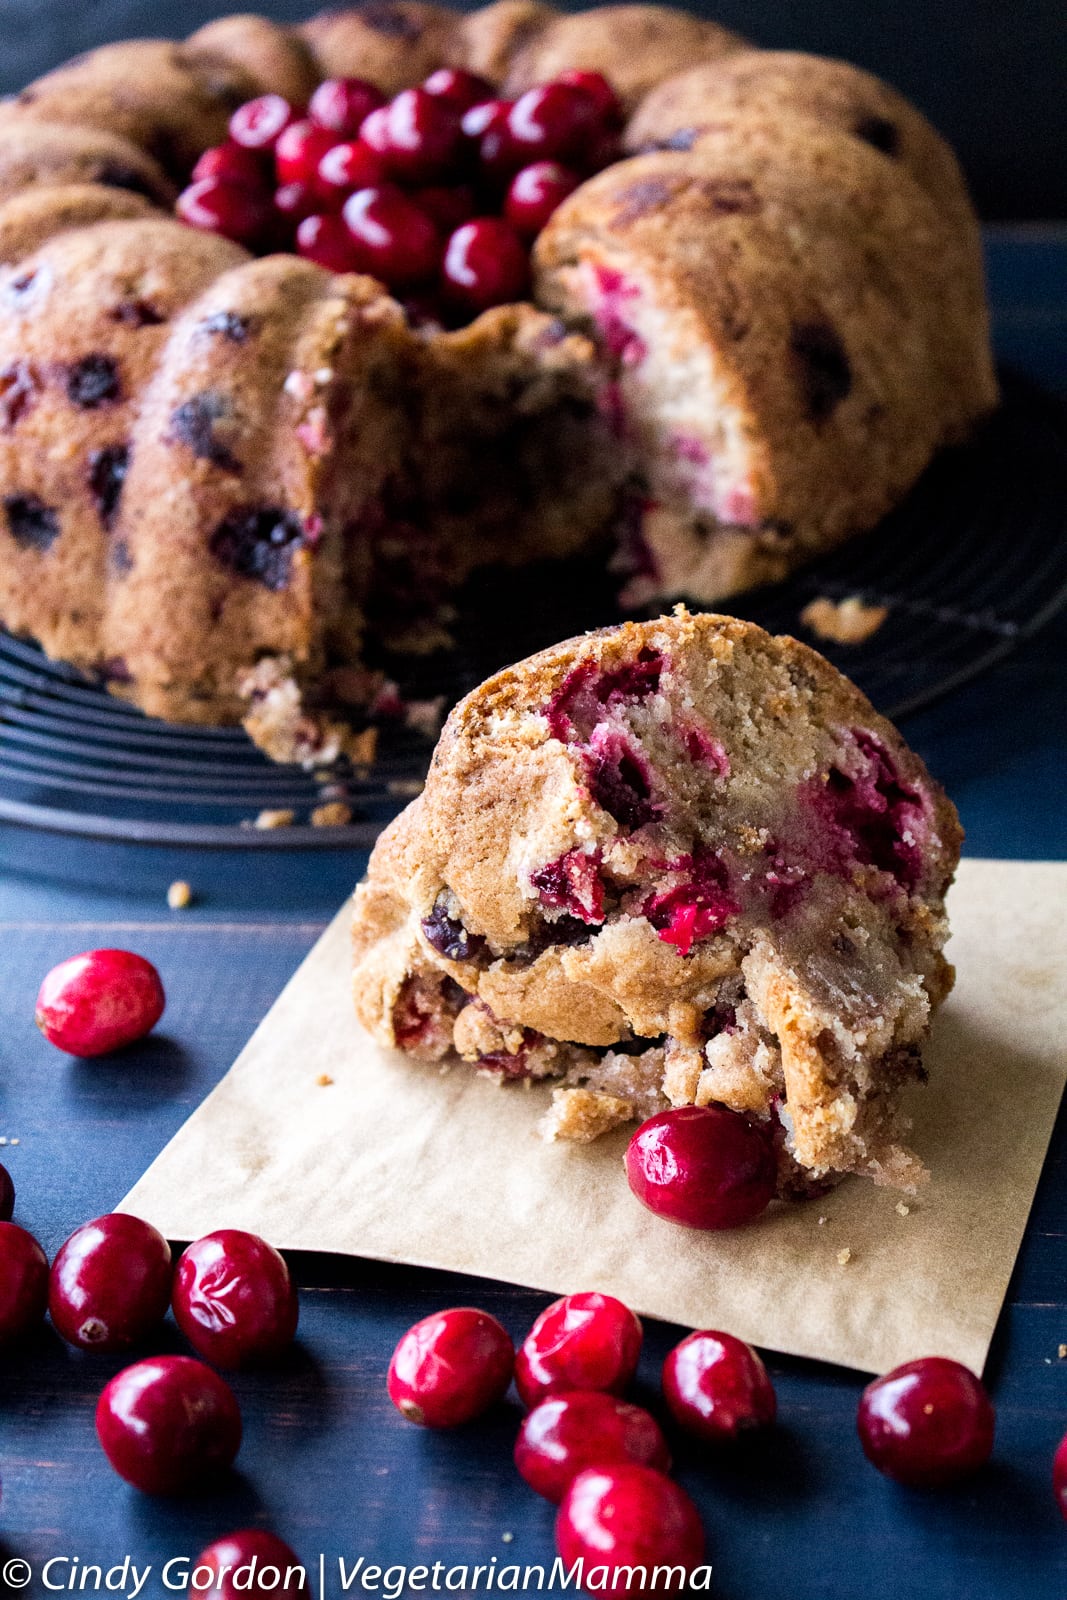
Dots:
pixel 506 1538
pixel 846 621
pixel 903 1209
pixel 179 895
pixel 823 1221
pixel 323 1080
pixel 275 819
pixel 361 748
pixel 332 814
pixel 844 1257
pixel 405 787
pixel 1063 1352
pixel 14 1141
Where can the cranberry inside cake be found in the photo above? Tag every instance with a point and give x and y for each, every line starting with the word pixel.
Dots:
pixel 672 863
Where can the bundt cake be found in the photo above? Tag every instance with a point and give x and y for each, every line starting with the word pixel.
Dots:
pixel 232 453
pixel 672 863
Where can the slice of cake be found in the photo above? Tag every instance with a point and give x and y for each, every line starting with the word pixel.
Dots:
pixel 677 862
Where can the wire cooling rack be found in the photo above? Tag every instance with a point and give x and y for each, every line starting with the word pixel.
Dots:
pixel 974 562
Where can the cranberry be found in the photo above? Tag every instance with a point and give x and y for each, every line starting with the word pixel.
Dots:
pixel 717 1387
pixel 702 1166
pixel 597 89
pixel 450 1367
pixel 485 265
pixel 461 89
pixel 926 1423
pixel 7 1195
pixel 627 1516
pixel 99 1001
pixel 217 206
pixel 534 194
pixel 23 1282
pixel 1059 1476
pixel 568 1432
pixel 342 105
pixel 423 136
pixel 298 152
pixel 584 1341
pixel 375 130
pixel 251 1561
pixel 110 1283
pixel 393 239
pixel 552 123
pixel 258 124
pixel 234 1299
pixel 295 201
pixel 486 127
pixel 232 163
pixel 326 241
pixel 168 1423
pixel 447 205
pixel 347 167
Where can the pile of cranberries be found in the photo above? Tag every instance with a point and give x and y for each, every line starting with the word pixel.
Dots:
pixel 438 192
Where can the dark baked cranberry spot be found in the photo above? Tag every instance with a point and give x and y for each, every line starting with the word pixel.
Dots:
pixel 730 197
pixel 880 132
pixel 93 381
pixel 572 884
pixel 391 21
pixel 638 199
pixel 683 139
pixel 193 423
pixel 23 283
pixel 136 314
pixel 18 390
pixel 228 325
pixel 871 816
pixel 107 474
pixel 449 937
pixel 116 670
pixel 619 783
pixel 258 543
pixel 119 558
pixel 822 368
pixel 697 907
pixel 31 523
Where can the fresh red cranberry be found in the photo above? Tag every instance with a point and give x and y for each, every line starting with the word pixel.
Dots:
pixel 926 1423
pixel 23 1282
pixel 99 1001
pixel 461 89
pixel 485 264
pixel 168 1423
pixel 293 202
pixel 717 1387
pixel 234 1299
pixel 258 124
pixel 702 1166
pixel 448 205
pixel 110 1283
pixel 583 1341
pixel 392 238
pixel 450 1367
pixel 535 192
pixel 326 241
pixel 1059 1476
pixel 375 130
pixel 596 88
pixel 424 136
pixel 215 205
pixel 7 1195
pixel 628 1516
pixel 552 123
pixel 485 127
pixel 232 163
pixel 342 105
pixel 251 1561
pixel 347 167
pixel 568 1432
pixel 300 148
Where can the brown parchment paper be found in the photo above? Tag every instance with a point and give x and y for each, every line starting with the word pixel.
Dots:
pixel 396 1161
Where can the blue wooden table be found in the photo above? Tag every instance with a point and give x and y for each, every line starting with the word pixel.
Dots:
pixel 326 1461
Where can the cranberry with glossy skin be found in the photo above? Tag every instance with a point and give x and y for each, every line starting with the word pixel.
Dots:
pixel 214 205
pixel 234 1299
pixel 168 1423
pixel 926 1423
pixel 326 241
pixel 23 1282
pixel 717 1387
pixel 583 1341
pixel 293 202
pixel 629 1516
pixel 232 163
pixel 347 167
pixel 485 264
pixel 393 240
pixel 447 205
pixel 553 122
pixel 7 1195
pixel 110 1283
pixel 702 1166
pixel 298 152
pixel 1059 1476
pixel 245 1562
pixel 259 123
pixel 342 105
pixel 485 126
pixel 568 1432
pixel 596 88
pixel 535 192
pixel 375 130
pixel 450 1367
pixel 460 88
pixel 99 1001
pixel 424 136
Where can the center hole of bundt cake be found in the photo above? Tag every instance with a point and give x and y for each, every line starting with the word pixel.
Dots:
pixel 439 192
